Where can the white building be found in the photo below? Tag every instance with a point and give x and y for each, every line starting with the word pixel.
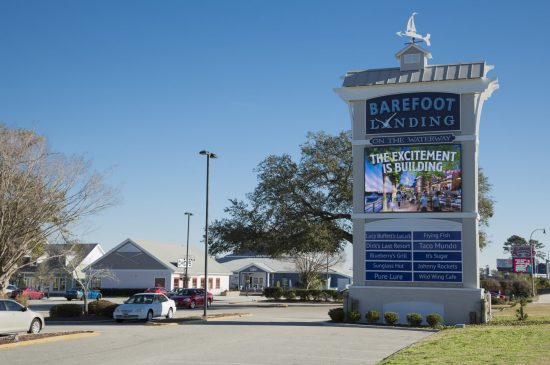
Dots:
pixel 138 264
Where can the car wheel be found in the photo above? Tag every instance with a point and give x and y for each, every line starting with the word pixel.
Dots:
pixel 99 297
pixel 208 303
pixel 69 299
pixel 193 304
pixel 119 320
pixel 149 317
pixel 36 326
pixel 170 314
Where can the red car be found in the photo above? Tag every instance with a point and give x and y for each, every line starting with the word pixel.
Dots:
pixel 30 292
pixel 157 289
pixel 191 298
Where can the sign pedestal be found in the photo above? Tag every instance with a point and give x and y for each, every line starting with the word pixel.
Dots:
pixel 415 211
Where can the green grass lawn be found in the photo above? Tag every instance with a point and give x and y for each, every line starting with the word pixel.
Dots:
pixel 485 344
pixel 506 341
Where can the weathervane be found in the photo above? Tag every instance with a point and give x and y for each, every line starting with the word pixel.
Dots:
pixel 411 32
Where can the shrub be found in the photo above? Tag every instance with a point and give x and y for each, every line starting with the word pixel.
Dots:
pixel 354 316
pixel 22 299
pixel 520 312
pixel 498 301
pixel 273 292
pixel 336 295
pixel 336 314
pixel 66 310
pixel 290 294
pixel 414 319
pixel 102 308
pixel 391 318
pixel 434 320
pixel 316 294
pixel 506 287
pixel 372 317
pixel 490 285
pixel 324 296
pixel 303 294
pixel 521 288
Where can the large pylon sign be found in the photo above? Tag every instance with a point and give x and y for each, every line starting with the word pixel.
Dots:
pixel 415 172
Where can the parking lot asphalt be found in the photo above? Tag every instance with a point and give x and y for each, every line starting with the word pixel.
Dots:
pixel 297 334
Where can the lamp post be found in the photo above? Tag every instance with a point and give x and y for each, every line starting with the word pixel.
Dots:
pixel 186 282
pixel 208 155
pixel 533 258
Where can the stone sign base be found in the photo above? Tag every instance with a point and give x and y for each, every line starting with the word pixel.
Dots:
pixel 454 305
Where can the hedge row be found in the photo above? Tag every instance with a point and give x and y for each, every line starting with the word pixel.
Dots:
pixel 302 294
pixel 66 310
pixel 518 288
pixel 434 320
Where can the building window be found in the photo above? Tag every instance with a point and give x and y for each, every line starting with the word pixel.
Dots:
pixel 217 283
pixel 96 283
pixel 59 284
pixel 176 283
pixel 194 283
pixel 202 282
pixel 160 282
pixel 210 283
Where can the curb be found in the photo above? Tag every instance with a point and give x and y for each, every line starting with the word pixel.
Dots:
pixel 73 336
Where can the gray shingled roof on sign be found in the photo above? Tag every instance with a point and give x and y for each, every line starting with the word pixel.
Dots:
pixel 430 73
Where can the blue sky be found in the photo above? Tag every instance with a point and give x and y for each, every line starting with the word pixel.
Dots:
pixel 142 86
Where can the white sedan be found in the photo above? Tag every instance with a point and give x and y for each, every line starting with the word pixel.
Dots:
pixel 145 306
pixel 16 318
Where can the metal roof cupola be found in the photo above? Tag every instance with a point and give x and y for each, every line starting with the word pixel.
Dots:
pixel 413 57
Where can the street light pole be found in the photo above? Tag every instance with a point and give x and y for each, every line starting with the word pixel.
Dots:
pixel 533 258
pixel 186 282
pixel 208 155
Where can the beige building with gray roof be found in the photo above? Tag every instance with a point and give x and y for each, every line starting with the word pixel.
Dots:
pixel 140 264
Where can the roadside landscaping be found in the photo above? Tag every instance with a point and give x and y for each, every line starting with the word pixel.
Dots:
pixel 482 344
pixel 505 340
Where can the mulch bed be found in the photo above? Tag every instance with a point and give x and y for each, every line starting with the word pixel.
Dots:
pixel 27 337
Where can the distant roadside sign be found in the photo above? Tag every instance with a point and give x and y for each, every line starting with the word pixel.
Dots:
pixel 522 251
pixel 522 265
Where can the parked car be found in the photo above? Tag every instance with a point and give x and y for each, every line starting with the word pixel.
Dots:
pixel 157 289
pixel 78 293
pixel 16 318
pixel 497 295
pixel 10 288
pixel 32 293
pixel 191 298
pixel 145 306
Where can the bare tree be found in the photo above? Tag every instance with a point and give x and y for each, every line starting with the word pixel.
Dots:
pixel 310 265
pixel 43 195
pixel 83 275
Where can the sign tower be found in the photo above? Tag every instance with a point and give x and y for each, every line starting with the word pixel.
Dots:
pixel 415 172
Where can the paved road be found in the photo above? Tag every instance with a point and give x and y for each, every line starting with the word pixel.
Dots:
pixel 298 334
pixel 544 299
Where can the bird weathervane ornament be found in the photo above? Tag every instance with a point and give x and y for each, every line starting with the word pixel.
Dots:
pixel 411 32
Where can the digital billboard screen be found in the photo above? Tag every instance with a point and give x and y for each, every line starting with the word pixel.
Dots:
pixel 416 178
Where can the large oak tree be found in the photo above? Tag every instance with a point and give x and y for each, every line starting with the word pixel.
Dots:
pixel 304 206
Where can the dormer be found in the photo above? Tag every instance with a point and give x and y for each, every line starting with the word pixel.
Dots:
pixel 413 57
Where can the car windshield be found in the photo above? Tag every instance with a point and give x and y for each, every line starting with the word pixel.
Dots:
pixel 140 299
pixel 185 292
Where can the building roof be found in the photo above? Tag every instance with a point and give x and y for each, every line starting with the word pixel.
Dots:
pixel 430 73
pixel 237 263
pixel 166 254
